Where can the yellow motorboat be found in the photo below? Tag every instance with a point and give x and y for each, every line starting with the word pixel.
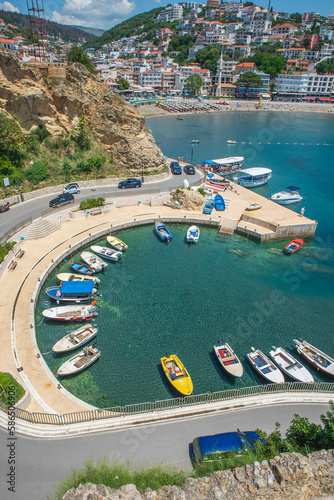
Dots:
pixel 177 375
pixel 117 243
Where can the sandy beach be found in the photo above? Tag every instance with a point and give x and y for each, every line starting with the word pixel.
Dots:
pixel 153 111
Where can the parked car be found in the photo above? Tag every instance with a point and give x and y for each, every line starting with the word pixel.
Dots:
pixel 219 447
pixel 175 168
pixel 189 169
pixel 61 199
pixel 72 188
pixel 129 183
pixel 4 208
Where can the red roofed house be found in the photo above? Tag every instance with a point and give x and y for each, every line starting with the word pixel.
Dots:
pixel 246 66
pixel 284 29
pixel 8 44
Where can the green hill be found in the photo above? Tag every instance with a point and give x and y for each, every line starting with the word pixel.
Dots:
pixel 67 33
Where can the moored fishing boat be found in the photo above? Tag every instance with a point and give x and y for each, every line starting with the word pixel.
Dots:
pixel 228 360
pixel 107 253
pixel 193 234
pixel 288 196
pixel 293 246
pixel 290 365
pixel 71 313
pixel 77 277
pixel 80 267
pixel 315 357
pixel 177 375
pixel 265 367
pixel 253 177
pixel 79 361
pixel 163 232
pixel 75 339
pixel 72 291
pixel 116 243
pixel 93 261
pixel 219 202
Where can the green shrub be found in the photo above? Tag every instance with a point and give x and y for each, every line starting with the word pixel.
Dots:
pixel 6 166
pixel 37 173
pixel 40 133
pixel 7 382
pixel 84 166
pixel 91 203
pixel 67 170
pixel 201 190
pixel 5 248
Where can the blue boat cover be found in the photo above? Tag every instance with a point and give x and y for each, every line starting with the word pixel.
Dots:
pixel 77 287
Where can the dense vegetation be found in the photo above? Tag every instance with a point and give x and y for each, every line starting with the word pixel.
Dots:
pixel 7 381
pixel 77 54
pixel 5 248
pixel 249 79
pixel 267 61
pixel 67 33
pixel 37 159
pixel 326 66
pixel 208 57
pixel 182 45
pixel 302 437
pixel 136 25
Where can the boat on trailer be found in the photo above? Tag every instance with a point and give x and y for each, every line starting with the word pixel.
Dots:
pixel 107 253
pixel 75 338
pixel 290 365
pixel 93 261
pixel 71 313
pixel 79 361
pixel 177 374
pixel 265 367
pixel 228 360
pixel 315 357
pixel 193 234
pixel 77 277
pixel 253 177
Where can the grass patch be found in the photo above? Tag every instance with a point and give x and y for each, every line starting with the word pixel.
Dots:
pixel 8 382
pixel 116 475
pixel 91 203
pixel 5 249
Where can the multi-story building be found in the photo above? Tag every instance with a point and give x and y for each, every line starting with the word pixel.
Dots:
pixel 170 14
pixel 327 31
pixel 260 26
pixel 304 86
pixel 150 79
pixel 249 12
pixel 232 7
pixel 310 16
pixel 213 3
pixel 284 29
pixel 190 5
pixel 242 38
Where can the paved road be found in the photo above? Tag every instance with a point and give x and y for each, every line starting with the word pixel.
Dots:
pixel 40 206
pixel 43 463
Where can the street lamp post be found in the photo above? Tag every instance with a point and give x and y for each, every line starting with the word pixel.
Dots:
pixel 192 153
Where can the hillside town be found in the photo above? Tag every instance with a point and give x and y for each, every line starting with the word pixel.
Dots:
pixel 289 55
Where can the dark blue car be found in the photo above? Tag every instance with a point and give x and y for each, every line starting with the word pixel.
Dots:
pixel 218 447
pixel 175 168
pixel 129 183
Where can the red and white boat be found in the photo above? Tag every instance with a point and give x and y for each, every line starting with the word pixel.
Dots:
pixel 293 246
pixel 71 313
pixel 315 357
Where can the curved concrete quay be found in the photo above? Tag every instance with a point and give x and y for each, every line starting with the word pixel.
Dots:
pixel 20 353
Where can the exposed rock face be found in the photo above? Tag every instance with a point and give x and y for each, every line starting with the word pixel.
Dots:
pixel 290 476
pixel 58 103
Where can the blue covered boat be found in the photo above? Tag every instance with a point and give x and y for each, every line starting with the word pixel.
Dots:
pixel 162 231
pixel 72 291
pixel 219 202
pixel 81 268
pixel 209 206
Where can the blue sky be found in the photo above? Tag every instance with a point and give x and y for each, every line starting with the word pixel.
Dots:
pixel 108 13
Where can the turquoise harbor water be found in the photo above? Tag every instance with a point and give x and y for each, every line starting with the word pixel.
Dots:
pixel 182 299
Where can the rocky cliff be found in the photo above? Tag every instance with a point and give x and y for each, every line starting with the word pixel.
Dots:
pixel 290 476
pixel 57 96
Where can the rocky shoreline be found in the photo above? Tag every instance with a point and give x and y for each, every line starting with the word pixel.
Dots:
pixel 290 476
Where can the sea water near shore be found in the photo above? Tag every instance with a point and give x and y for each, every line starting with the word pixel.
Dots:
pixel 182 299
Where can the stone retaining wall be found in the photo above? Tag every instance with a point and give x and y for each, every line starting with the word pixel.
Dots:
pixel 289 476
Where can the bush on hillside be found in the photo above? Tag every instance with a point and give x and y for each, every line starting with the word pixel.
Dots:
pixel 37 173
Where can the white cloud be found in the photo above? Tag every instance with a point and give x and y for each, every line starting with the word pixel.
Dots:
pixel 94 13
pixel 8 7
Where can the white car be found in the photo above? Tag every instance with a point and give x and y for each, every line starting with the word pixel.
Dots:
pixel 72 188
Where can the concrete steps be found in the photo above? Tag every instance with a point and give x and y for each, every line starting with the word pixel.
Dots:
pixel 253 229
pixel 41 228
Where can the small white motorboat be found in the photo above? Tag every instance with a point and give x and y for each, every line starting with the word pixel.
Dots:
pixel 288 196
pixel 107 253
pixel 228 360
pixel 253 206
pixel 193 234
pixel 290 365
pixel 79 361
pixel 265 367
pixel 231 142
pixel 116 243
pixel 71 313
pixel 75 339
pixel 93 261
pixel 320 360
pixel 77 277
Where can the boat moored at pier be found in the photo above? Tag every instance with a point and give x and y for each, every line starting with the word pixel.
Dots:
pixel 288 196
pixel 224 166
pixel 253 177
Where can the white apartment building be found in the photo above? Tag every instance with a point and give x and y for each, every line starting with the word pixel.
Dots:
pixel 309 84
pixel 232 6
pixel 242 38
pixel 190 5
pixel 170 14
pixel 232 28
pixel 327 31
pixel 320 84
pixel 150 79
pixel 258 27
pixel 249 12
